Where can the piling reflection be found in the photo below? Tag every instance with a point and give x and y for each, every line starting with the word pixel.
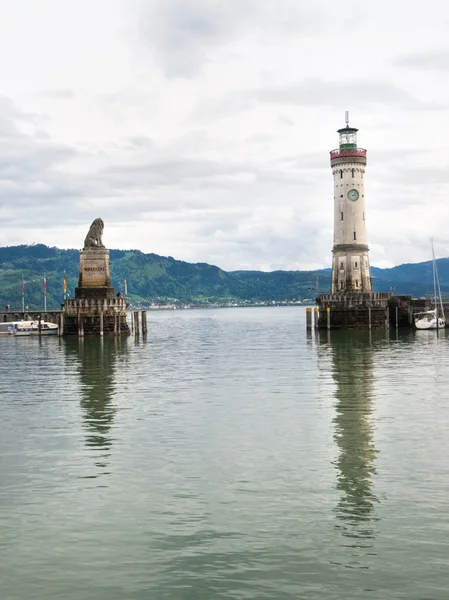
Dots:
pixel 97 359
pixel 351 363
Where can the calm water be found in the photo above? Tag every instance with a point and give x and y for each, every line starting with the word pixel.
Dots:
pixel 227 456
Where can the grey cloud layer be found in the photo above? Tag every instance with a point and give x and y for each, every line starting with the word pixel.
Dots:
pixel 184 153
pixel 183 33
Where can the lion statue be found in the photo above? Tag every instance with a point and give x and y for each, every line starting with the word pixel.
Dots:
pixel 93 237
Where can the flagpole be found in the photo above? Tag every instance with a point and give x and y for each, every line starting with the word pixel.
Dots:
pixel 23 295
pixel 125 288
pixel 45 292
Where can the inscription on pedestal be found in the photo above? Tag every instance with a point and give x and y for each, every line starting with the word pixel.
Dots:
pixel 94 268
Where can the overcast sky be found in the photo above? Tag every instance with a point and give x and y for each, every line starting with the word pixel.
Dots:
pixel 201 129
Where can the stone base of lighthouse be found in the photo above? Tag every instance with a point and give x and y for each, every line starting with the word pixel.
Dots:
pixel 356 310
pixel 351 269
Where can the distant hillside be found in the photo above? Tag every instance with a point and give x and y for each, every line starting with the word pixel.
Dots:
pixel 150 276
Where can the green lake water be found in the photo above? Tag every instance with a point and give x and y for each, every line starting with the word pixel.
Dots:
pixel 228 455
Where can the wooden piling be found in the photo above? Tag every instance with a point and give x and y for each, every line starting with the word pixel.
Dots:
pixel 369 317
pixel 315 317
pixel 60 324
pixel 101 323
pixel 328 311
pixel 308 318
pixel 387 318
pixel 39 325
pixel 144 322
pixel 136 323
pixel 80 326
pixel 115 324
pixel 397 317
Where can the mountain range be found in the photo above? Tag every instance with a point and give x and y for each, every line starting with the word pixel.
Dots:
pixel 152 277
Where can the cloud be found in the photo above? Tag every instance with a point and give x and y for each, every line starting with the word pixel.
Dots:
pixel 358 93
pixel 201 129
pixel 59 94
pixel 184 34
pixel 433 60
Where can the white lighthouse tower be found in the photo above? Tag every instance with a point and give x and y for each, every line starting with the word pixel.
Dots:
pixel 350 262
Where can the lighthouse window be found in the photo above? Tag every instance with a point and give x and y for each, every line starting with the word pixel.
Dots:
pixel 363 216
pixel 341 174
pixel 355 235
pixel 342 216
pixel 353 172
pixel 356 283
pixel 342 266
pixel 355 265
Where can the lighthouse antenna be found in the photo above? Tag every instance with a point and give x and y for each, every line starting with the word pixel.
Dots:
pixel 347 118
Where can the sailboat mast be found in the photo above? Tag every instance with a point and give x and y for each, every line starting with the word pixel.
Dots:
pixel 434 280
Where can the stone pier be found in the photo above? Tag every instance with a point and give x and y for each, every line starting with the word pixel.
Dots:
pixel 95 310
pixel 357 310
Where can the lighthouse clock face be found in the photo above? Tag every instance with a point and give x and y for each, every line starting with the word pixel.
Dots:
pixel 353 195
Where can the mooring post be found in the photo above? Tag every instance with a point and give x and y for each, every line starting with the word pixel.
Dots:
pixel 81 326
pixel 60 324
pixel 369 317
pixel 144 322
pixel 328 310
pixel 132 321
pixel 39 325
pixel 397 317
pixel 387 318
pixel 308 318
pixel 315 317
pixel 136 323
pixel 101 323
pixel 115 324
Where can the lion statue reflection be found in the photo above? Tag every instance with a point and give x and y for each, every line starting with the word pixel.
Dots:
pixel 93 237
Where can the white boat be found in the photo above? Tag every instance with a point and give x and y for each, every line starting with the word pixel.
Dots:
pixel 20 328
pixel 434 318
pixel 26 328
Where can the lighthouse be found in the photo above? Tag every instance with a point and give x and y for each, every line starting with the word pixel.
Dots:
pixel 350 261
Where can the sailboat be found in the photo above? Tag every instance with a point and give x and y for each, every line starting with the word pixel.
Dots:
pixel 433 319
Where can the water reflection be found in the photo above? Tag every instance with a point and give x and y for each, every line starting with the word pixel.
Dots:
pixel 96 359
pixel 351 363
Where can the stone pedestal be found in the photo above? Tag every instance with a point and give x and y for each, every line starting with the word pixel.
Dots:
pixel 95 278
pixel 95 310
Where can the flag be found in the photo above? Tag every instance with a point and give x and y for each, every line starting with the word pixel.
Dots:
pixel 65 284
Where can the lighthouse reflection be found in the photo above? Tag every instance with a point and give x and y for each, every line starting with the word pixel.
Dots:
pixel 351 362
pixel 97 363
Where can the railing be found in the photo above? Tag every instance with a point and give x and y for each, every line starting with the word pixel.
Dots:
pixel 341 153
pixel 355 297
